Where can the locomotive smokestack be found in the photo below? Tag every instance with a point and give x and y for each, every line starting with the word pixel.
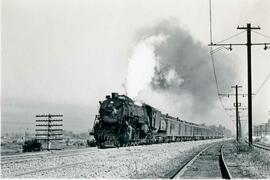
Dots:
pixel 108 97
pixel 114 95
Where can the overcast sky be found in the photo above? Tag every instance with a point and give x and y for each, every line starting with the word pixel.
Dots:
pixel 63 56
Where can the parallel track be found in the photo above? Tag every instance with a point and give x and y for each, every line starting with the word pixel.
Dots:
pixel 262 146
pixel 222 165
pixel 48 169
pixel 29 172
pixel 42 155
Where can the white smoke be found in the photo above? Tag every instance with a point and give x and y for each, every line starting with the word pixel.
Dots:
pixel 173 78
pixel 142 64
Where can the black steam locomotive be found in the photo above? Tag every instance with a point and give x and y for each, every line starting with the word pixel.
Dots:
pixel 122 123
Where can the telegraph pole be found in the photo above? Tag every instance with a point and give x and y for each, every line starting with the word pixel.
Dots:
pixel 236 111
pixel 237 118
pixel 248 44
pixel 48 133
pixel 236 104
pixel 248 28
pixel 240 127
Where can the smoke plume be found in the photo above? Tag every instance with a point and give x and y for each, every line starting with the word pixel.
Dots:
pixel 177 65
pixel 142 64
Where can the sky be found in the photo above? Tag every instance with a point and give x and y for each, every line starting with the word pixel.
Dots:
pixel 63 56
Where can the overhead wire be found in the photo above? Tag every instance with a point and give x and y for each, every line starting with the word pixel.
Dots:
pixel 232 36
pixel 222 47
pixel 261 86
pixel 268 76
pixel 264 35
pixel 213 62
pixel 217 50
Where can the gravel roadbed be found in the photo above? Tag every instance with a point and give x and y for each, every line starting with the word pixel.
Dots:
pixel 151 161
pixel 244 162
pixel 206 165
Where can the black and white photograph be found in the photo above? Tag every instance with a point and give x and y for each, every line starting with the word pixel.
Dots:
pixel 135 89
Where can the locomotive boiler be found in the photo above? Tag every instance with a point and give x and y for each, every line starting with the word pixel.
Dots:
pixel 121 122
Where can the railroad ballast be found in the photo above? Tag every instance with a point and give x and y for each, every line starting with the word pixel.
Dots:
pixel 122 122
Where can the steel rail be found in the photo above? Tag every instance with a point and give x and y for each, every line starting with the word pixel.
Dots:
pixel 48 169
pixel 18 174
pixel 223 166
pixel 31 157
pixel 183 168
pixel 262 146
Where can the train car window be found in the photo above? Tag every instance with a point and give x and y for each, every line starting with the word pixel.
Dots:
pixel 171 127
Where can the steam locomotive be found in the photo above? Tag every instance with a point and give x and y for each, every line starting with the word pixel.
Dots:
pixel 121 122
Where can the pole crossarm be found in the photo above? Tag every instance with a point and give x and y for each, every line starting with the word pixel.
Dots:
pixel 49 125
pixel 227 44
pixel 48 135
pixel 237 44
pixel 49 129
pixel 50 115
pixel 239 94
pixel 49 139
pixel 46 120
pixel 231 109
pixel 241 120
pixel 243 27
pixel 254 44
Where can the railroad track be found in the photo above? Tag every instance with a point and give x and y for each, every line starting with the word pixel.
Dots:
pixel 41 155
pixel 18 174
pixel 7 158
pixel 262 145
pixel 56 168
pixel 208 163
pixel 81 165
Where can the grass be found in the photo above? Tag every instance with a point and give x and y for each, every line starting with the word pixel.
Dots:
pixel 257 161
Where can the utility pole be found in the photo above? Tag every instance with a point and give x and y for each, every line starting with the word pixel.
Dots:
pixel 48 133
pixel 240 127
pixel 249 70
pixel 236 111
pixel 248 28
pixel 237 118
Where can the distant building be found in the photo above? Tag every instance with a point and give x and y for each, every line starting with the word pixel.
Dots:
pixel 262 129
